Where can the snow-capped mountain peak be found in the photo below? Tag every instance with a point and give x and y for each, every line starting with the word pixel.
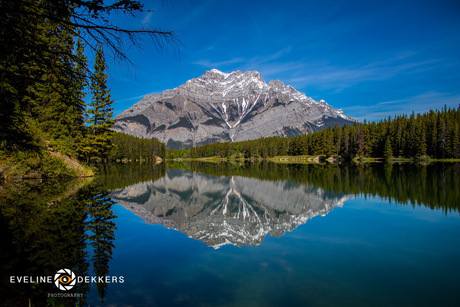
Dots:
pixel 219 106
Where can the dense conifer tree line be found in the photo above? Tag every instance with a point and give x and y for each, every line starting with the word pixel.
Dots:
pixel 131 148
pixel 435 134
pixel 97 141
pixel 44 80
pixel 433 185
pixel 44 74
pixel 115 176
pixel 35 219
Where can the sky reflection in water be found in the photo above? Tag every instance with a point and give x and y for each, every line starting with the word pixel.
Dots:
pixel 368 252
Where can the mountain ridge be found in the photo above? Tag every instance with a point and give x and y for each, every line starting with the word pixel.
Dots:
pixel 226 107
pixel 220 210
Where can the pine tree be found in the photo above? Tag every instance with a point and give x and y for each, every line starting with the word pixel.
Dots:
pixel 79 93
pixel 80 83
pixel 101 228
pixel 359 141
pixel 99 114
pixel 328 142
pixel 441 132
pixel 21 52
pixel 51 99
pixel 456 141
pixel 37 64
pixel 421 140
pixel 388 151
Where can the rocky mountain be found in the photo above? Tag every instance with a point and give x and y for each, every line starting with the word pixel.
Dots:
pixel 225 210
pixel 226 107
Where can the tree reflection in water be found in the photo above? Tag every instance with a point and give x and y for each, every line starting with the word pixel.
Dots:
pixel 50 225
pixel 47 226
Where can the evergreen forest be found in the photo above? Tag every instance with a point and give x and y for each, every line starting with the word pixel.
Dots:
pixel 53 102
pixel 56 104
pixel 432 185
pixel 434 134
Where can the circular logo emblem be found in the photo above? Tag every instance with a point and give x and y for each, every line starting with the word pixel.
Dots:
pixel 64 279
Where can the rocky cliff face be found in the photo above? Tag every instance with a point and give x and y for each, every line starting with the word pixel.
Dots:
pixel 225 210
pixel 221 107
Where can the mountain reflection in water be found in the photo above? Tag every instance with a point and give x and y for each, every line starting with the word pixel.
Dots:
pixel 226 210
pixel 53 224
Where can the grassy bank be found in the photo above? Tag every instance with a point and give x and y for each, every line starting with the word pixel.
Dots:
pixel 40 165
pixel 402 160
pixel 277 159
pixel 444 160
pixel 306 159
pixel 309 159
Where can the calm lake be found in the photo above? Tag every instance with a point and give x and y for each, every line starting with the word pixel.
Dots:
pixel 264 234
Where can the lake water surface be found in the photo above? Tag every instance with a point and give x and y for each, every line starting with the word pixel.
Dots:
pixel 238 235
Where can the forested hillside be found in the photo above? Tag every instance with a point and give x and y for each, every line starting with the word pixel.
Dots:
pixel 435 134
pixel 399 183
pixel 127 147
pixel 46 80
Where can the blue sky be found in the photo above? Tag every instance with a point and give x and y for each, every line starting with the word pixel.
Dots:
pixel 373 59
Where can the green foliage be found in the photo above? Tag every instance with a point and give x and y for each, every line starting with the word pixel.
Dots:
pixel 36 165
pixel 41 164
pixel 117 176
pixel 20 35
pixel 97 143
pixel 434 185
pixel 44 74
pixel 434 134
pixel 101 229
pixel 55 167
pixel 51 225
pixel 130 148
pixel 388 151
pixel 41 72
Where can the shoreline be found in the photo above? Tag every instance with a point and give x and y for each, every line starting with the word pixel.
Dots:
pixel 316 159
pixel 47 165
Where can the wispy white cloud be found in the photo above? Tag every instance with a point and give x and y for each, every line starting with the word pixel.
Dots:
pixel 336 77
pixel 278 70
pixel 218 64
pixel 418 104
pixel 267 65
pixel 196 14
pixel 271 57
pixel 303 72
pixel 134 98
pixel 147 18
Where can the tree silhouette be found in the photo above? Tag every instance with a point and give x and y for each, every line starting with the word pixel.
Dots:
pixel 101 227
